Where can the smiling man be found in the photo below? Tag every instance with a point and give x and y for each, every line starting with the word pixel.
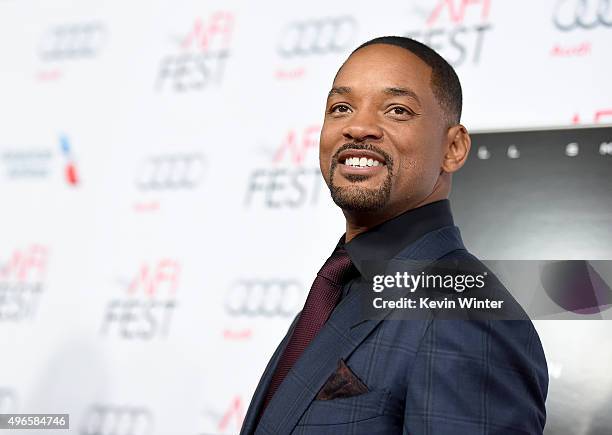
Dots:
pixel 390 142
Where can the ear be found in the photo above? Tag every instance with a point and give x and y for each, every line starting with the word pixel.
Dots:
pixel 457 148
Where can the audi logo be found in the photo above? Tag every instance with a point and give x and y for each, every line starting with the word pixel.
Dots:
pixel 72 41
pixel 117 420
pixel 8 401
pixel 171 172
pixel 585 14
pixel 267 298
pixel 322 36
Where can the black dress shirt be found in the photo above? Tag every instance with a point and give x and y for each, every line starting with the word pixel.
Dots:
pixel 385 241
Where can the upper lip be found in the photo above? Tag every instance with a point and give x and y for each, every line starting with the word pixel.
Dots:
pixel 345 154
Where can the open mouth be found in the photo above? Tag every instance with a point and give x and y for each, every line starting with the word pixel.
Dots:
pixel 360 159
pixel 362 162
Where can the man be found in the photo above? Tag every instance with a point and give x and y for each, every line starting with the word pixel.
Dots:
pixel 390 141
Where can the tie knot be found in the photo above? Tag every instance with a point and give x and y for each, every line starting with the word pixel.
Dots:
pixel 337 267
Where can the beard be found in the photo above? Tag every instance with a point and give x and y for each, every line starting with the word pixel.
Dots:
pixel 363 199
pixel 358 198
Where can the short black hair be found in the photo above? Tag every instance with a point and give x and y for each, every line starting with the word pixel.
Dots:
pixel 444 80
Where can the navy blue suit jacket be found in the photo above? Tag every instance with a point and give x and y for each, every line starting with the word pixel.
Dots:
pixel 425 377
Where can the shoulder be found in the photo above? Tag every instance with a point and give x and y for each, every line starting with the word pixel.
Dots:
pixel 460 263
pixel 509 334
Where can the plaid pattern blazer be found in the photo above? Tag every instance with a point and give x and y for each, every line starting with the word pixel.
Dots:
pixel 425 377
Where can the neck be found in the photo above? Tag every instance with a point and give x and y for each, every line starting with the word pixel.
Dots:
pixel 361 222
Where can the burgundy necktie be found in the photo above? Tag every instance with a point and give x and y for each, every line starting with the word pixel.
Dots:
pixel 323 297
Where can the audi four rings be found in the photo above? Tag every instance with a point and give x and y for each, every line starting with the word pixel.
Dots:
pixel 583 14
pixel 72 41
pixel 267 298
pixel 124 420
pixel 317 36
pixel 171 172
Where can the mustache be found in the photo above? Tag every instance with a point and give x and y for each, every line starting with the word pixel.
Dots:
pixel 363 146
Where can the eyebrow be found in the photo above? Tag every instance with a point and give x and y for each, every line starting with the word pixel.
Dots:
pixel 397 92
pixel 340 90
pixel 402 92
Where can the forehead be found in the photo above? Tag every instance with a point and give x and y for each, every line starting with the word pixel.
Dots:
pixel 380 66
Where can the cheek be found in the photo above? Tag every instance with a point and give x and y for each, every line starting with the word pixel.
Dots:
pixel 325 151
pixel 419 152
pixel 417 170
pixel 327 140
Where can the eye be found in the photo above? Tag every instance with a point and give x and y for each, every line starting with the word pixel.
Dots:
pixel 339 108
pixel 400 112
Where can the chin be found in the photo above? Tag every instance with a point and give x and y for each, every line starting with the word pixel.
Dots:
pixel 358 198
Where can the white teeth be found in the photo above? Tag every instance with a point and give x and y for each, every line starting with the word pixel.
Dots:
pixel 362 162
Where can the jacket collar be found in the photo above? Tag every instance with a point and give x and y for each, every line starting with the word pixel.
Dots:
pixel 384 242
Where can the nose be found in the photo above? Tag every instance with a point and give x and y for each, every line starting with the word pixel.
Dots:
pixel 361 127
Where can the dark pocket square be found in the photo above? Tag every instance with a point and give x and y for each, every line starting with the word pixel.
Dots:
pixel 342 383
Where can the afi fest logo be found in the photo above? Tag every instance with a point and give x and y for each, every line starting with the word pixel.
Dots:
pixel 199 57
pixel 598 117
pixel 224 421
pixel 22 277
pixel 579 17
pixel 299 41
pixel 104 419
pixel 293 180
pixel 456 29
pixel 144 312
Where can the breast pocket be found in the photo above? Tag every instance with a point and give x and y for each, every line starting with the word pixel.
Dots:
pixel 363 407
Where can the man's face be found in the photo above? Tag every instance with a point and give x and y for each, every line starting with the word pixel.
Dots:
pixel 382 140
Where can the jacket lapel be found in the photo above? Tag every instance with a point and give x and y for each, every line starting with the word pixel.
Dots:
pixel 346 328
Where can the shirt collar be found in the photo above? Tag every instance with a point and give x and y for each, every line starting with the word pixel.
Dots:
pixel 383 242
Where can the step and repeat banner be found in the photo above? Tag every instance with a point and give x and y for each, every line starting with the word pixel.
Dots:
pixel 163 214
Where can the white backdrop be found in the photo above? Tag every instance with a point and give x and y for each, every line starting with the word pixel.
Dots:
pixel 159 174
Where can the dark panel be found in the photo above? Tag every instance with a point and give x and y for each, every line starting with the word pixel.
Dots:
pixel 541 204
